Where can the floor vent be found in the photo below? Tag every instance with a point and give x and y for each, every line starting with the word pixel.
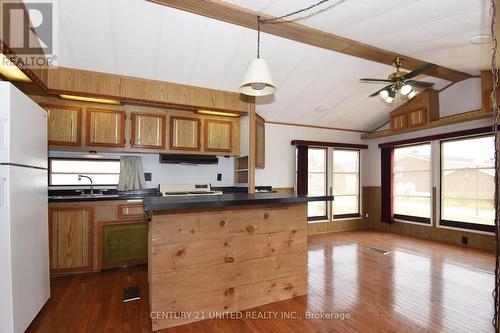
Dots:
pixel 131 294
pixel 379 251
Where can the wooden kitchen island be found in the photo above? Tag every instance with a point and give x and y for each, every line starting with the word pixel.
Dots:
pixel 212 256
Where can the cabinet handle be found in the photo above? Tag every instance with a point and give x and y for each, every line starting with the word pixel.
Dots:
pixel 3 194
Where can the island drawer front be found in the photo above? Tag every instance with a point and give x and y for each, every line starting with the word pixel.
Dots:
pixel 203 225
pixel 232 299
pixel 200 280
pixel 180 256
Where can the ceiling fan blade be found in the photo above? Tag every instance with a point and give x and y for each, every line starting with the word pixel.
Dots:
pixel 376 93
pixel 420 84
pixel 367 80
pixel 418 71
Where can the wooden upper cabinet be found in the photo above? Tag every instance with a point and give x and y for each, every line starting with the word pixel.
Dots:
pixel 64 125
pixel 71 238
pixel 260 142
pixel 218 135
pixel 418 111
pixel 105 127
pixel 148 130
pixel 185 133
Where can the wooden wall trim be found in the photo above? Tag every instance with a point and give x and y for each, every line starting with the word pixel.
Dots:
pixel 315 126
pixel 445 121
pixel 233 14
pixel 450 135
pixel 328 144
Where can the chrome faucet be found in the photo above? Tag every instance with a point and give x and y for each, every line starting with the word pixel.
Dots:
pixel 91 183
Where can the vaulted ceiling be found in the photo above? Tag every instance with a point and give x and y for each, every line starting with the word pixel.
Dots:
pixel 143 39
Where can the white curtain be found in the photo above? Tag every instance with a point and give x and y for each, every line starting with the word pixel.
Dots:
pixel 131 173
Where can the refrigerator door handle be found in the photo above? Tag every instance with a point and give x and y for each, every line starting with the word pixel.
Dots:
pixel 3 193
pixel 3 134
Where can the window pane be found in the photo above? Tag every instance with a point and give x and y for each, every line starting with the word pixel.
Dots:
pixel 412 158
pixel 344 183
pixel 316 180
pixel 412 206
pixel 345 161
pixel 470 211
pixel 412 180
pixel 345 205
pixel 469 153
pixel 316 160
pixel 66 171
pixel 316 184
pixel 468 180
pixel 416 183
pixel 316 208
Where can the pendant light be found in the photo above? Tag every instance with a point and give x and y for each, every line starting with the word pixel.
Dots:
pixel 257 80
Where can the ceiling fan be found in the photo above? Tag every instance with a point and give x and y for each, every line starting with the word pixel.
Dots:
pixel 400 82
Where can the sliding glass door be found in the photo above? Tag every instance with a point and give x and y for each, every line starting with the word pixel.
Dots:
pixel 317 183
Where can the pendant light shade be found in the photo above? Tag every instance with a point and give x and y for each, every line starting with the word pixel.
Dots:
pixel 257 80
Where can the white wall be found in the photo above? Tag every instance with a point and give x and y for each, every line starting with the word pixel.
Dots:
pixel 461 97
pixel 372 171
pixel 280 154
pixel 173 173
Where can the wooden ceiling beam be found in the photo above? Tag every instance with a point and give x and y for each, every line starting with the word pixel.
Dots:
pixel 230 13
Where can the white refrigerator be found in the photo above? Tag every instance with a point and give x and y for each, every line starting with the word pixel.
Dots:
pixel 24 245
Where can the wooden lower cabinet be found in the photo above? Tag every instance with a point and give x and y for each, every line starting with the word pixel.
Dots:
pixel 122 243
pixel 71 239
pixel 94 235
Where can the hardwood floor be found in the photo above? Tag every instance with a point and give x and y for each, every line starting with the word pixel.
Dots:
pixel 420 286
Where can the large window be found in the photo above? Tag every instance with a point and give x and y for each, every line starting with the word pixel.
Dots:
pixel 412 183
pixel 65 171
pixel 468 183
pixel 317 166
pixel 345 181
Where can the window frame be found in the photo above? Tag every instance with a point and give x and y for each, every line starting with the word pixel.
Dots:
pixel 338 217
pixel 458 225
pixel 418 220
pixel 320 218
pixel 49 170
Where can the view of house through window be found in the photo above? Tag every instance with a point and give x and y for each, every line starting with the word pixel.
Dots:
pixel 467 183
pixel 66 171
pixel 345 183
pixel 412 183
pixel 317 165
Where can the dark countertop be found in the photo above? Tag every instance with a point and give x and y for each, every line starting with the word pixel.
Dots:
pixel 224 200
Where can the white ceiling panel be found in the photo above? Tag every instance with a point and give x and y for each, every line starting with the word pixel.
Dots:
pixel 142 39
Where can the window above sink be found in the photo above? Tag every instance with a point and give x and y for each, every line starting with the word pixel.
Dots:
pixel 65 171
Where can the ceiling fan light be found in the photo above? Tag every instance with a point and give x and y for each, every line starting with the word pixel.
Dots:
pixel 383 94
pixel 257 80
pixel 412 94
pixel 389 99
pixel 406 89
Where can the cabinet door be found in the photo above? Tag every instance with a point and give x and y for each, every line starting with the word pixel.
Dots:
pixel 105 128
pixel 148 131
pixel 417 118
pixel 260 143
pixel 122 243
pixel 70 239
pixel 64 125
pixel 185 133
pixel 218 135
pixel 399 122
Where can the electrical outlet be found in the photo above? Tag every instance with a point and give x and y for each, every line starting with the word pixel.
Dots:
pixel 465 240
pixel 366 215
pixel 148 176
pixel 219 177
